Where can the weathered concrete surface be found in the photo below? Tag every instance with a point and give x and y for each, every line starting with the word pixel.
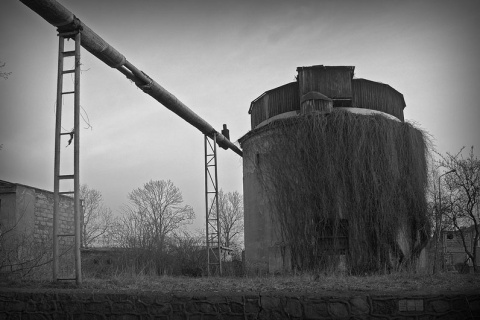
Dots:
pixel 78 304
pixel 261 238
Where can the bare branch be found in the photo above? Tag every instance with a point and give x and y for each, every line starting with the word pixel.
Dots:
pixel 155 212
pixel 97 219
pixel 231 217
pixel 462 198
pixel 4 74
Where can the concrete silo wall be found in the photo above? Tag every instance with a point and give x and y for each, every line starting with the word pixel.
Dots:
pixel 260 230
pixel 324 190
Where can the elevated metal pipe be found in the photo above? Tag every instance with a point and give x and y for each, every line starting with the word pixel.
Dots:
pixel 65 21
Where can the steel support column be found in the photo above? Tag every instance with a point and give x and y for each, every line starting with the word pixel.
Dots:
pixel 75 134
pixel 213 234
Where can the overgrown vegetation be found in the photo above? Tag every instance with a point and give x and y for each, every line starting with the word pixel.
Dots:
pixel 460 211
pixel 343 175
pixel 148 224
pixel 23 255
pixel 305 283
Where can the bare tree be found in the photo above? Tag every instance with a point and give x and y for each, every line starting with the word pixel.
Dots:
pixel 155 212
pixel 97 219
pixel 230 206
pixel 437 218
pixel 4 74
pixel 148 224
pixel 133 230
pixel 463 199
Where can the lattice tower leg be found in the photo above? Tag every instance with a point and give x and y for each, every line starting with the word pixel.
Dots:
pixel 213 234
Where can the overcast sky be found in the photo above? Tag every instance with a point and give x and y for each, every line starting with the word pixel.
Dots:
pixel 216 57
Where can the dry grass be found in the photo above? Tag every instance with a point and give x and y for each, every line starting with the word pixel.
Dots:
pixel 302 284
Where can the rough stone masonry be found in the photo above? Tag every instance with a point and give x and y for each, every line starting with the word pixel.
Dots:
pixel 75 304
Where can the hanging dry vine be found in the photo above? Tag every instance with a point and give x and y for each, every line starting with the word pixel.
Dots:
pixel 346 177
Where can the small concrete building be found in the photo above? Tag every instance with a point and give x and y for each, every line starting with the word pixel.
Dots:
pixel 26 224
pixel 454 249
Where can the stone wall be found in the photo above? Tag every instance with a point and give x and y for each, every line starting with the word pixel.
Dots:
pixel 44 216
pixel 30 210
pixel 63 304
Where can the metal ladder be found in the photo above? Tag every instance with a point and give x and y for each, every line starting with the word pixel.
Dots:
pixel 75 135
pixel 214 261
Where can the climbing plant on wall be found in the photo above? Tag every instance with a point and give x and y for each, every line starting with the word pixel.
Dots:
pixel 347 184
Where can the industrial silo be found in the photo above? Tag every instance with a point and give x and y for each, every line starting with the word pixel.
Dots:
pixel 333 176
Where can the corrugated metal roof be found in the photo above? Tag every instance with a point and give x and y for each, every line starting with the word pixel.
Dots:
pixel 385 84
pixel 330 83
pixel 378 96
pixel 263 94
